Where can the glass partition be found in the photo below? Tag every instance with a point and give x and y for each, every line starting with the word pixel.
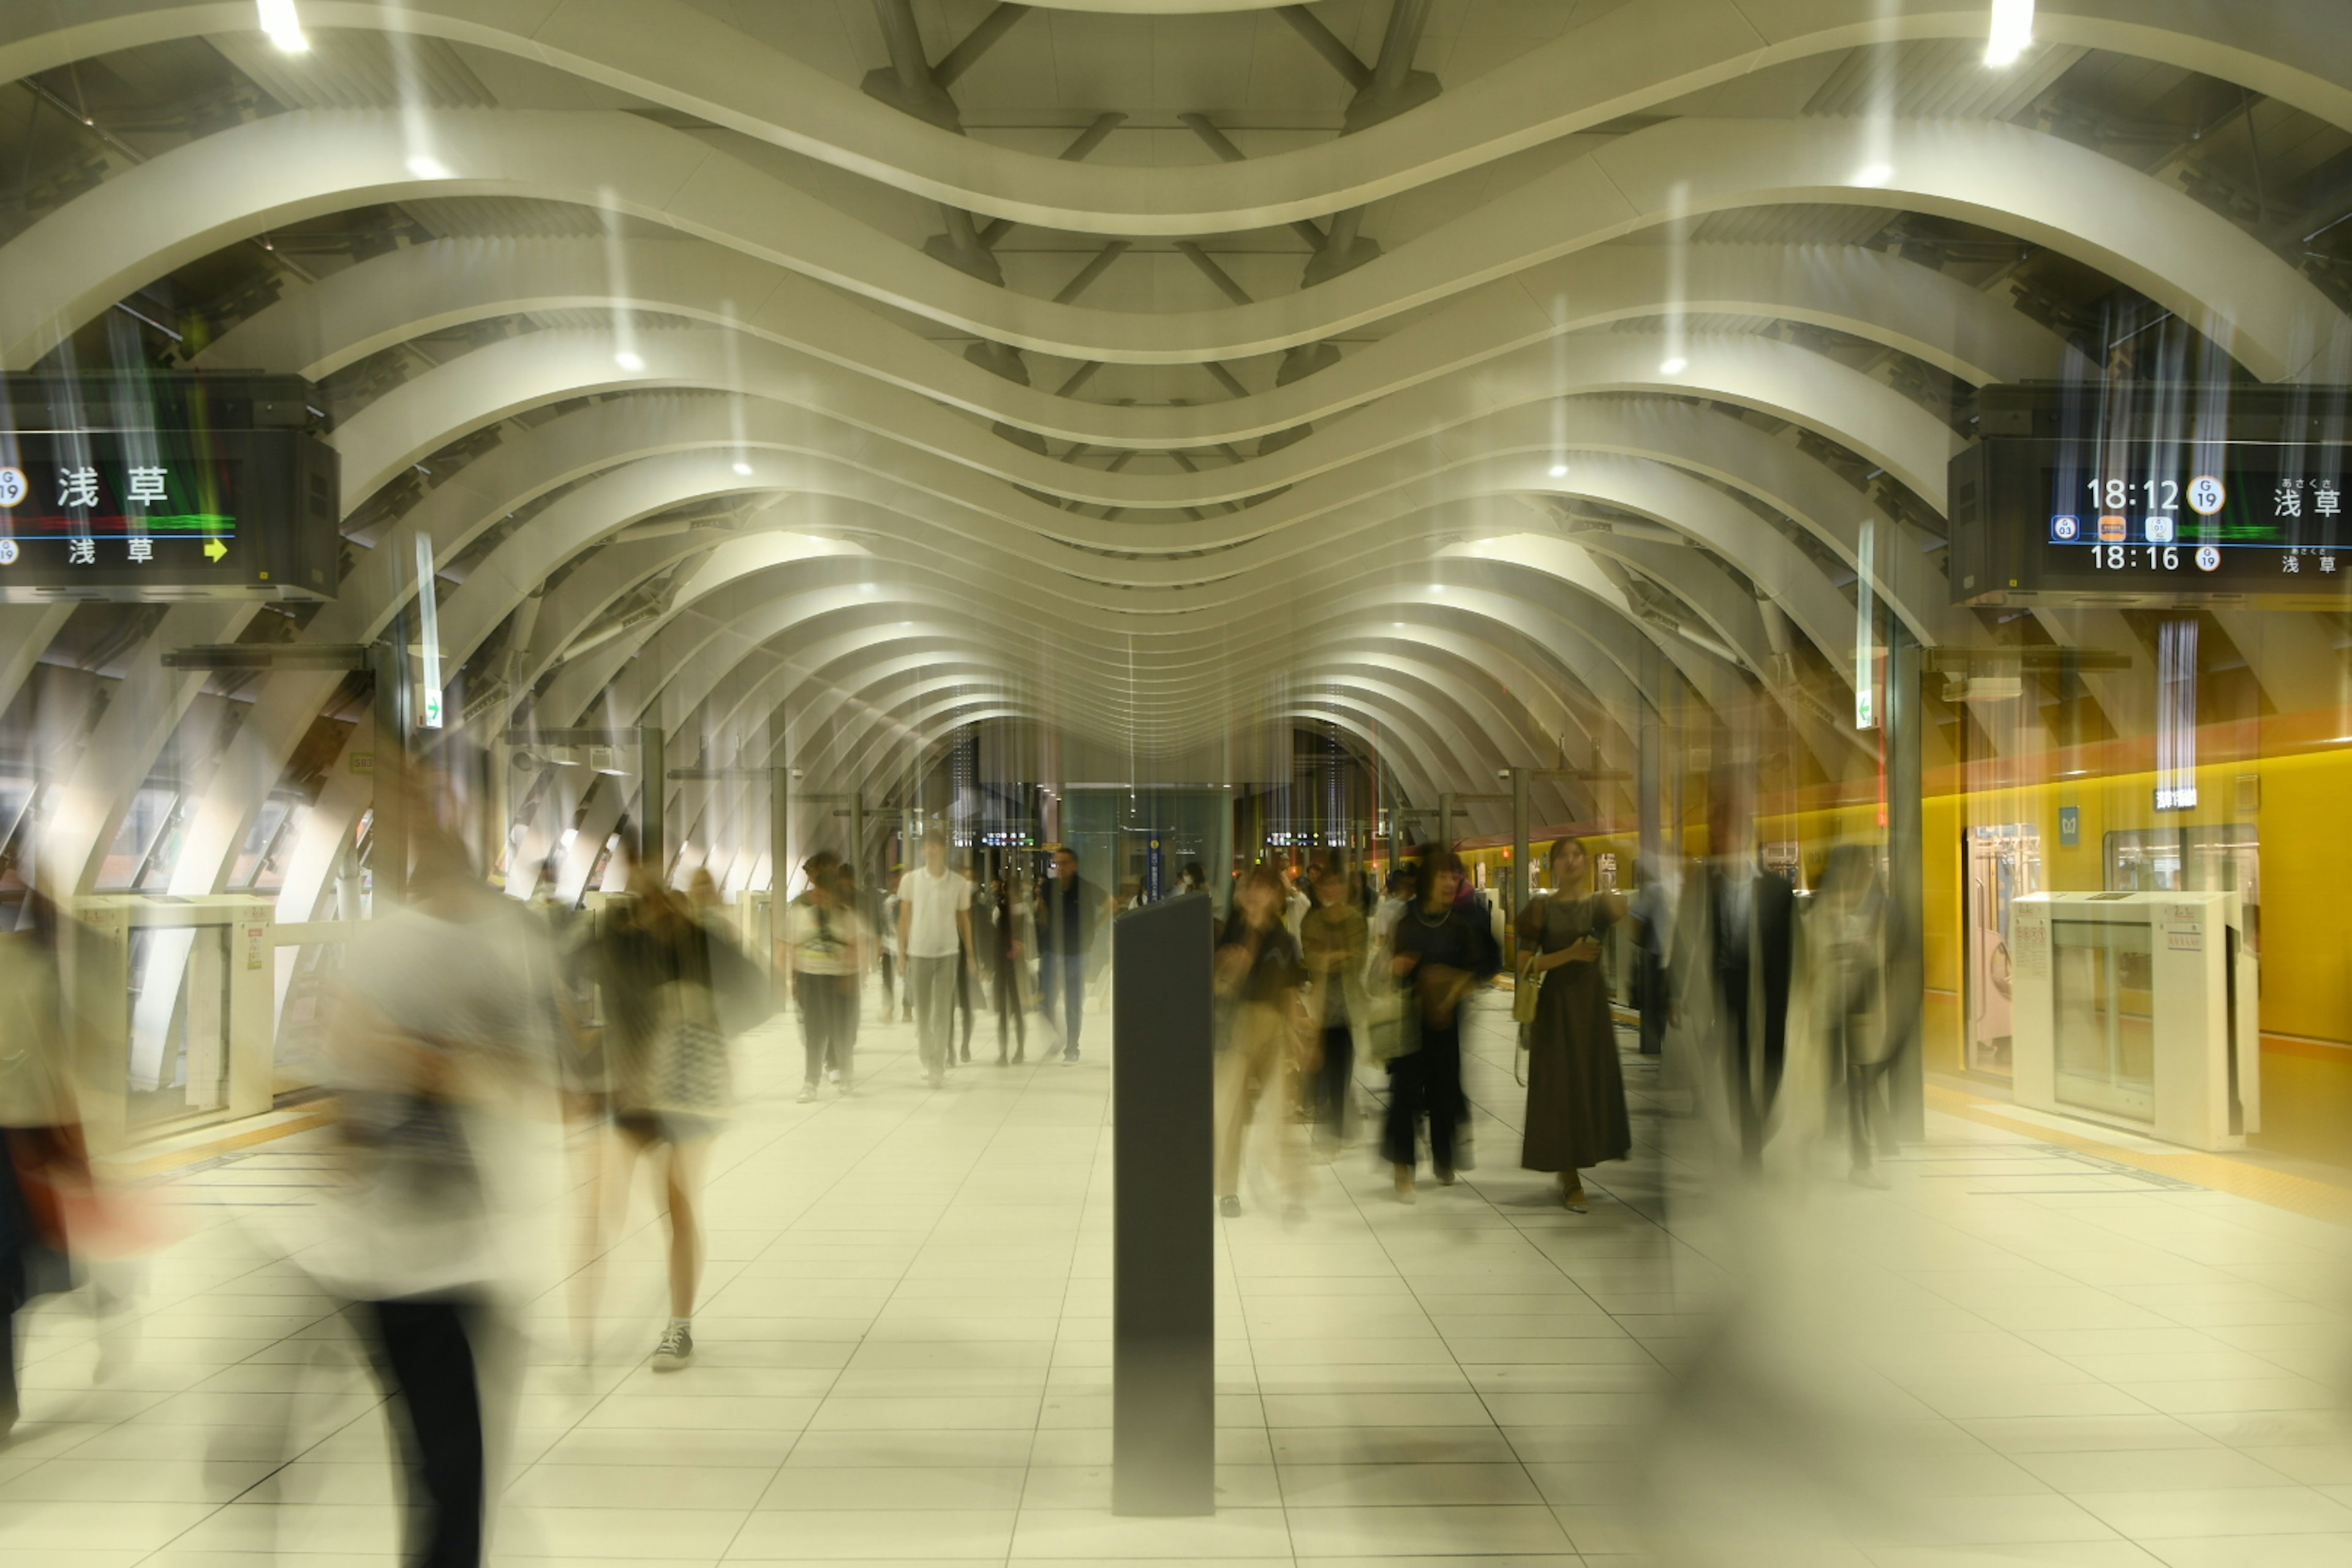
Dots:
pixel 179 1023
pixel 2102 990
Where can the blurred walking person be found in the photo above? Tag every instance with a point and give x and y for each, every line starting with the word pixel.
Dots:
pixel 934 932
pixel 1847 946
pixel 1065 934
pixel 442 1054
pixel 1575 1114
pixel 823 954
pixel 1334 940
pixel 1006 951
pixel 1264 1028
pixel 42 1159
pixel 664 978
pixel 1440 949
pixel 1732 965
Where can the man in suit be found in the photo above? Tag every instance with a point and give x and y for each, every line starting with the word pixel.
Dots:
pixel 1732 960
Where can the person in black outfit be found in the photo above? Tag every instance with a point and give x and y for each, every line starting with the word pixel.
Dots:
pixel 1004 972
pixel 1734 941
pixel 1068 912
pixel 1441 950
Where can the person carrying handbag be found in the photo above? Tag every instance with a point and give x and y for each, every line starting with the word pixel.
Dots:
pixel 1576 1112
pixel 673 991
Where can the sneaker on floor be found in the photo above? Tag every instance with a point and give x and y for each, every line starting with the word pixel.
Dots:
pixel 808 1093
pixel 1230 1207
pixel 834 1073
pixel 676 1348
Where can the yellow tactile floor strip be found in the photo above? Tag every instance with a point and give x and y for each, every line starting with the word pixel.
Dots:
pixel 2297 1194
pixel 212 1148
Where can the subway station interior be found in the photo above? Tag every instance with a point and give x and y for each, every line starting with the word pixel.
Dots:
pixel 1386 782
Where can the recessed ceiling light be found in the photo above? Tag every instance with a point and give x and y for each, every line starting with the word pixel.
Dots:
pixel 2012 31
pixel 631 363
pixel 283 27
pixel 745 469
pixel 426 168
pixel 1559 470
pixel 1673 366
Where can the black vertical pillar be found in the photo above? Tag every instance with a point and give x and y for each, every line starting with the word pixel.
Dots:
pixel 1906 860
pixel 653 828
pixel 1163 1311
pixel 388 825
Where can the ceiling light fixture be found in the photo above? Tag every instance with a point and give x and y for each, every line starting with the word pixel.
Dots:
pixel 1559 470
pixel 426 168
pixel 631 363
pixel 283 27
pixel 1874 174
pixel 2012 30
pixel 1673 366
pixel 745 469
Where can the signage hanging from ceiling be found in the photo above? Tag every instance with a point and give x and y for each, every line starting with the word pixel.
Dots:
pixel 2155 496
pixel 165 486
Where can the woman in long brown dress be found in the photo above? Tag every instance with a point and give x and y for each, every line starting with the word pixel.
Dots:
pixel 1576 1092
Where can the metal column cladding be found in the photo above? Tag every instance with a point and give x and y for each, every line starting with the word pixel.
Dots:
pixel 1163 1312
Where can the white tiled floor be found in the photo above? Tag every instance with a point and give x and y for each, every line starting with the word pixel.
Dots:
pixel 905 1356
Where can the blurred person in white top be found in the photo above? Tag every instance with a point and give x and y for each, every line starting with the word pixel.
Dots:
pixel 934 932
pixel 442 1046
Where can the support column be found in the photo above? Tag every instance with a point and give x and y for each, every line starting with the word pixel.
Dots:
pixel 1523 872
pixel 1649 764
pixel 653 830
pixel 388 822
pixel 1163 1260
pixel 1905 857
pixel 858 838
pixel 780 837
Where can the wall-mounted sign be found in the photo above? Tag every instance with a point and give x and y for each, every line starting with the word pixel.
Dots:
pixel 2070 827
pixel 2153 496
pixel 166 486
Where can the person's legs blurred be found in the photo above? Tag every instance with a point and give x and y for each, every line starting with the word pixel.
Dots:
pixel 848 1007
pixel 1334 1076
pixel 1073 981
pixel 1401 1131
pixel 684 1192
pixel 1441 1067
pixel 816 1026
pixel 932 983
pixel 426 1356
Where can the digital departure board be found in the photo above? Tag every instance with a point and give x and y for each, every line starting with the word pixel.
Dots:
pixel 2171 505
pixel 165 487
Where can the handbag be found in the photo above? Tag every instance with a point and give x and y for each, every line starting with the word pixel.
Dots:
pixel 1526 986
pixel 1391 1027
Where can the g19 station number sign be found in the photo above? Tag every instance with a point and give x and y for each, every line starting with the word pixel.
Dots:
pixel 2137 519
pixel 159 489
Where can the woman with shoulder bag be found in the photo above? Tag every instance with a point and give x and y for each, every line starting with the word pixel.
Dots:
pixel 1575 1091
pixel 665 980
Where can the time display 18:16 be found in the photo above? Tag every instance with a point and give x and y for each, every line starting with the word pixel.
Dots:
pixel 2129 557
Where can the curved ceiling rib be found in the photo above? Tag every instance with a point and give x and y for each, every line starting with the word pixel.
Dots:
pixel 434 287
pixel 1508 477
pixel 1625 62
pixel 147 221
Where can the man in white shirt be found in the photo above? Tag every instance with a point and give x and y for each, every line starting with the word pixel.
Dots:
pixel 934 929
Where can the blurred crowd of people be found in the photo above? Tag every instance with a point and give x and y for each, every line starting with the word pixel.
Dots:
pixel 486 1055
pixel 1709 965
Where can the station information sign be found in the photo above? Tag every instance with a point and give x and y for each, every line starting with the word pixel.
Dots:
pixel 169 487
pixel 2254 505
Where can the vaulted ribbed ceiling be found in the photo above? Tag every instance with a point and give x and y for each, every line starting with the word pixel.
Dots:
pixel 819 377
